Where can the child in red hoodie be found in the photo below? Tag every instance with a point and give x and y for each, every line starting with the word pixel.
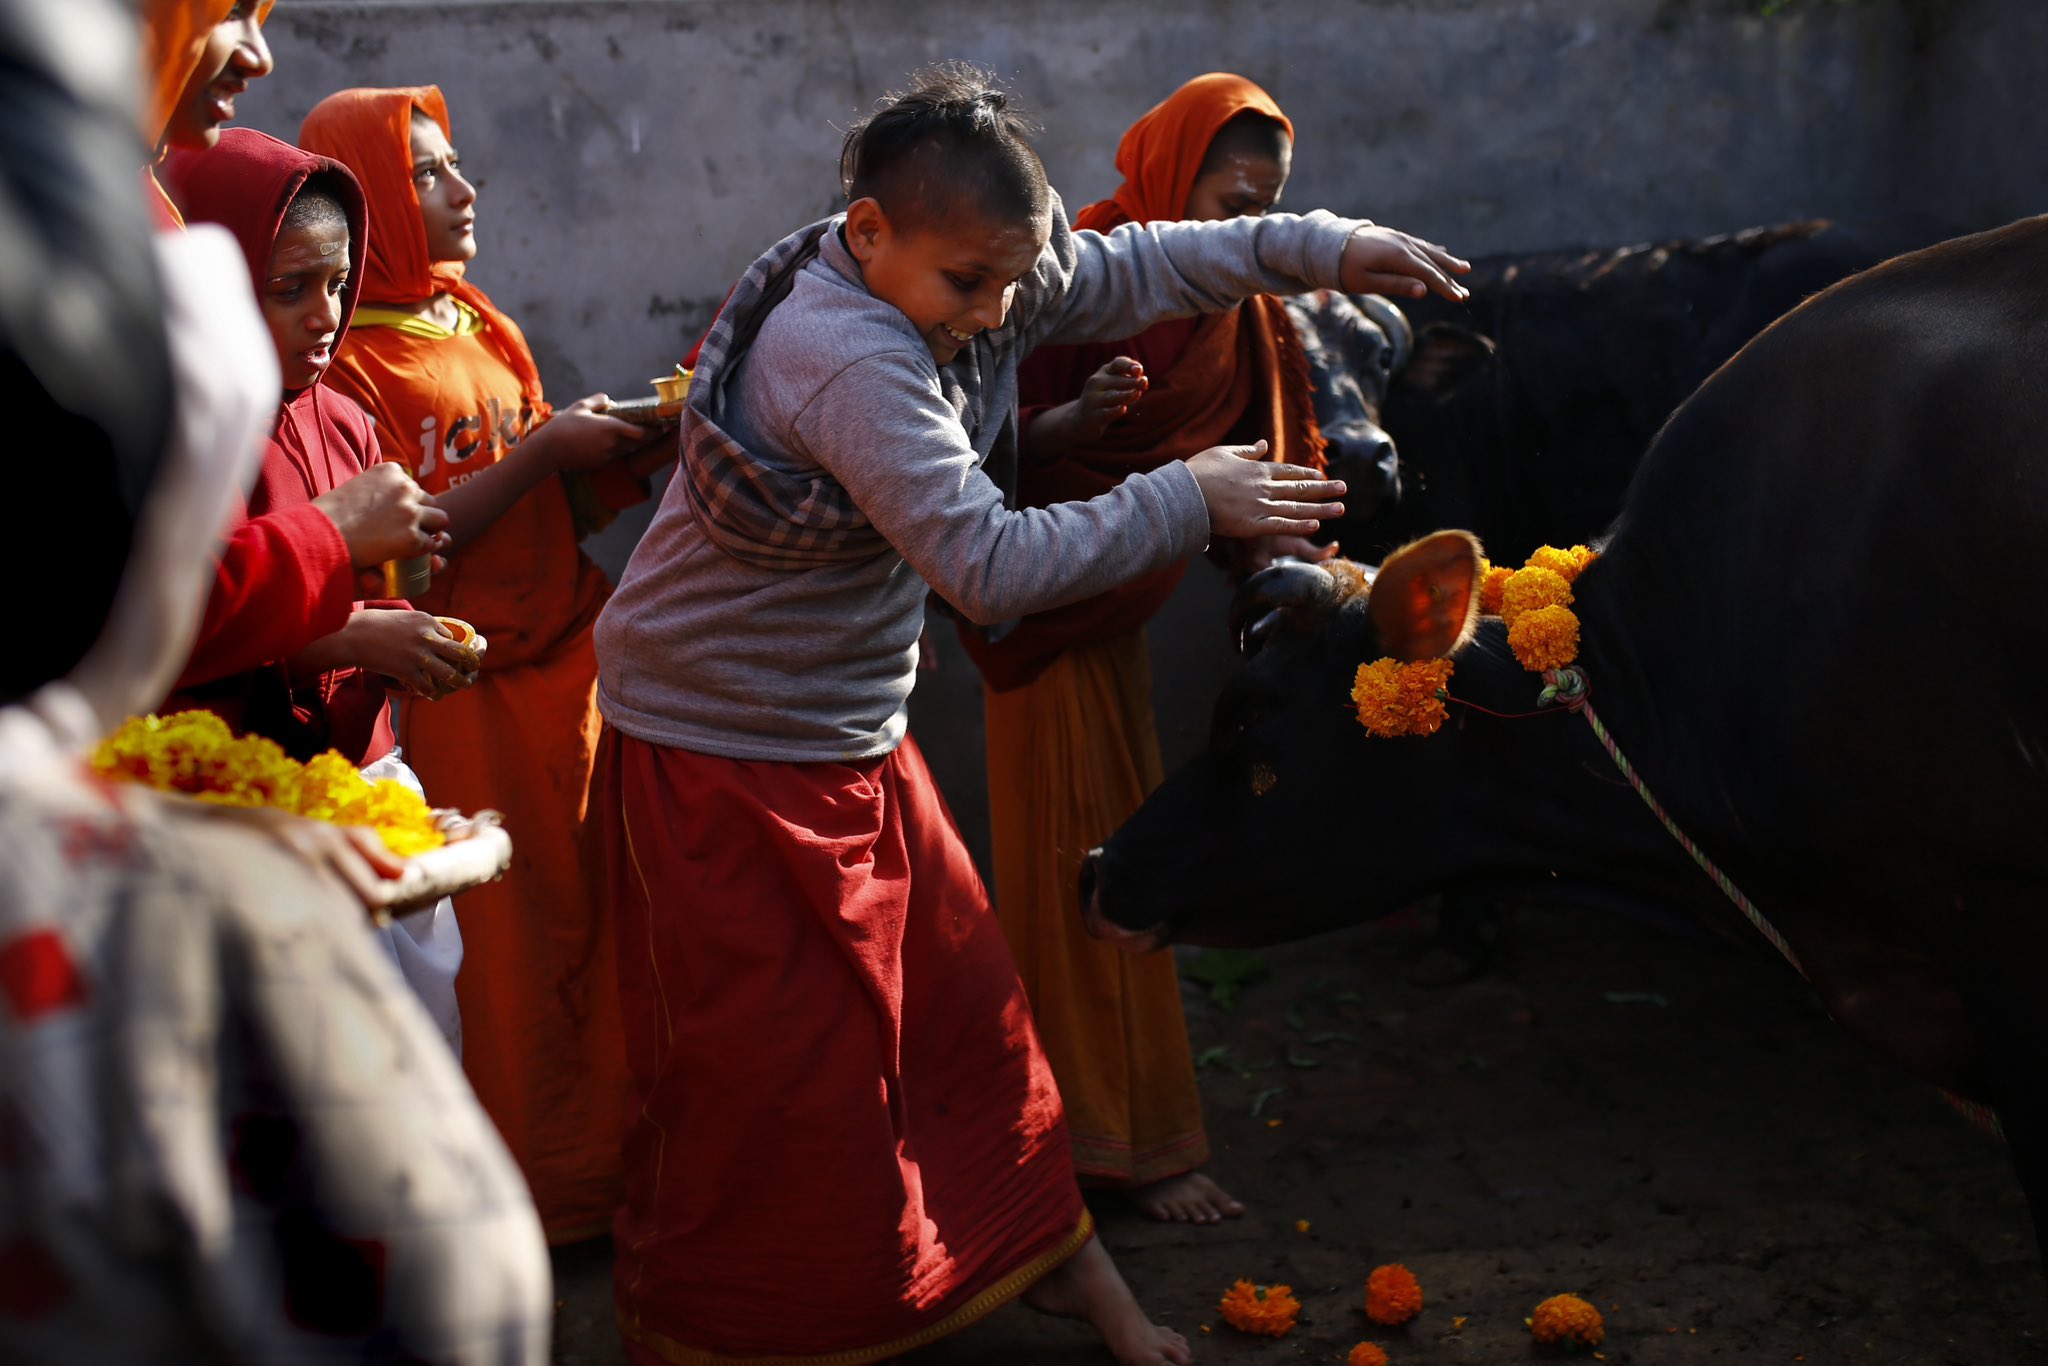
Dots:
pixel 307 681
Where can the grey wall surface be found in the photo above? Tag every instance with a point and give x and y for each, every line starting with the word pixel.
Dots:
pixel 635 154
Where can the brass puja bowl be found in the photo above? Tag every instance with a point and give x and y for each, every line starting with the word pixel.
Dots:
pixel 665 406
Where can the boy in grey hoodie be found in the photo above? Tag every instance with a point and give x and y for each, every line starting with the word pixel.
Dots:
pixel 849 1141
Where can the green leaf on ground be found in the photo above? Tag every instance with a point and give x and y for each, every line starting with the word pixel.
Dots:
pixel 1295 1059
pixel 1634 998
pixel 1219 1056
pixel 1259 1101
pixel 1225 972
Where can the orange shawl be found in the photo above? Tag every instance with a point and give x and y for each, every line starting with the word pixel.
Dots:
pixel 1242 376
pixel 174 34
pixel 370 132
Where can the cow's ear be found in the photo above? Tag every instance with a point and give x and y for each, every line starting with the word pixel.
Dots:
pixel 1445 357
pixel 1425 599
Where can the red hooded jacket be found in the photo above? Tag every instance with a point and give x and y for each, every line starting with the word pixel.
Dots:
pixel 299 586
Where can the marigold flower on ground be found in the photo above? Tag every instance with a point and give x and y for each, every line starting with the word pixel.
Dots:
pixel 1268 1310
pixel 1568 564
pixel 1546 638
pixel 1567 1319
pixel 1401 699
pixel 1366 1354
pixel 194 752
pixel 1493 578
pixel 1392 1294
pixel 1528 589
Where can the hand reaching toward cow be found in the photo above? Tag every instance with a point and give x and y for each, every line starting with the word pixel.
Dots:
pixel 1384 261
pixel 1249 496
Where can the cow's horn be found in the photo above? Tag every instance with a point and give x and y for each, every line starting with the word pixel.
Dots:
pixel 1293 591
pixel 1392 321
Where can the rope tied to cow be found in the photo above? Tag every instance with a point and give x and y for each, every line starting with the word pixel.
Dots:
pixel 1568 689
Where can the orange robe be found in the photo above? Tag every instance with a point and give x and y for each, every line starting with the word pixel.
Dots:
pixel 1072 747
pixel 538 989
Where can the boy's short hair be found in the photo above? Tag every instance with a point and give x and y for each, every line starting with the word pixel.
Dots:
pixel 948 146
pixel 1250 133
pixel 318 204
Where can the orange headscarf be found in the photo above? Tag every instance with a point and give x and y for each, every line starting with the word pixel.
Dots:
pixel 1243 363
pixel 174 37
pixel 370 132
pixel 1161 154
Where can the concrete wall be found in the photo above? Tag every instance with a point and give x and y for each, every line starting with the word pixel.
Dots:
pixel 635 154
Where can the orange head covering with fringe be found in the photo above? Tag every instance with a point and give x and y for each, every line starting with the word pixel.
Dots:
pixel 370 132
pixel 174 34
pixel 1161 155
pixel 1238 375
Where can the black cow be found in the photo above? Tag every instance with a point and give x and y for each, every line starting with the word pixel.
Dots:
pixel 1520 414
pixel 1810 631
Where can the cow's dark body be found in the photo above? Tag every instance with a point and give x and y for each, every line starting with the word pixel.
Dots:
pixel 1811 631
pixel 1594 349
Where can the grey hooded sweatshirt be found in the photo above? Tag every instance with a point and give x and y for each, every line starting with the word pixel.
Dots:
pixel 727 645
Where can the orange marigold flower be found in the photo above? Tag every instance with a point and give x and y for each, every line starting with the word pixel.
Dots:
pixel 1531 588
pixel 1268 1310
pixel 1366 1354
pixel 1568 564
pixel 1392 1294
pixel 1545 638
pixel 1401 699
pixel 1568 1319
pixel 1493 579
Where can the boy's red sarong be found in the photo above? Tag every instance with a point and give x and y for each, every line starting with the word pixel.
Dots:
pixel 849 1141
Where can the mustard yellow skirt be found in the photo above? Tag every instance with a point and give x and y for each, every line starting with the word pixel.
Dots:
pixel 1070 757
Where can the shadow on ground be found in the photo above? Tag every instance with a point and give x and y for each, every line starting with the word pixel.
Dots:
pixel 1670 1128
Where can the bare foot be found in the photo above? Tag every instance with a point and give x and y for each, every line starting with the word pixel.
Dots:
pixel 1190 1198
pixel 1088 1286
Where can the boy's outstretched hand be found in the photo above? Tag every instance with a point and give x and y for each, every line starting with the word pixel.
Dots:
pixel 1249 496
pixel 1383 261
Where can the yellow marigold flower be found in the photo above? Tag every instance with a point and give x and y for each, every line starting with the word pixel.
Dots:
pixel 1268 1310
pixel 1545 638
pixel 1567 564
pixel 1401 699
pixel 1569 1319
pixel 195 753
pixel 1530 588
pixel 1366 1354
pixel 1392 1295
pixel 1493 580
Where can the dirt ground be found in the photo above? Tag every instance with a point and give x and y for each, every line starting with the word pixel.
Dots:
pixel 1668 1127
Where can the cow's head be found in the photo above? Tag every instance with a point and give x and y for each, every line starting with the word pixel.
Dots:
pixel 1354 345
pixel 1274 831
pixel 1361 349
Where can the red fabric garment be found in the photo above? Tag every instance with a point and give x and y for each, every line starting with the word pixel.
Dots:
pixel 320 440
pixel 279 583
pixel 848 1141
pixel 1225 378
pixel 538 989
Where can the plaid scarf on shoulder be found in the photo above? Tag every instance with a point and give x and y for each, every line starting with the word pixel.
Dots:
pixel 755 512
